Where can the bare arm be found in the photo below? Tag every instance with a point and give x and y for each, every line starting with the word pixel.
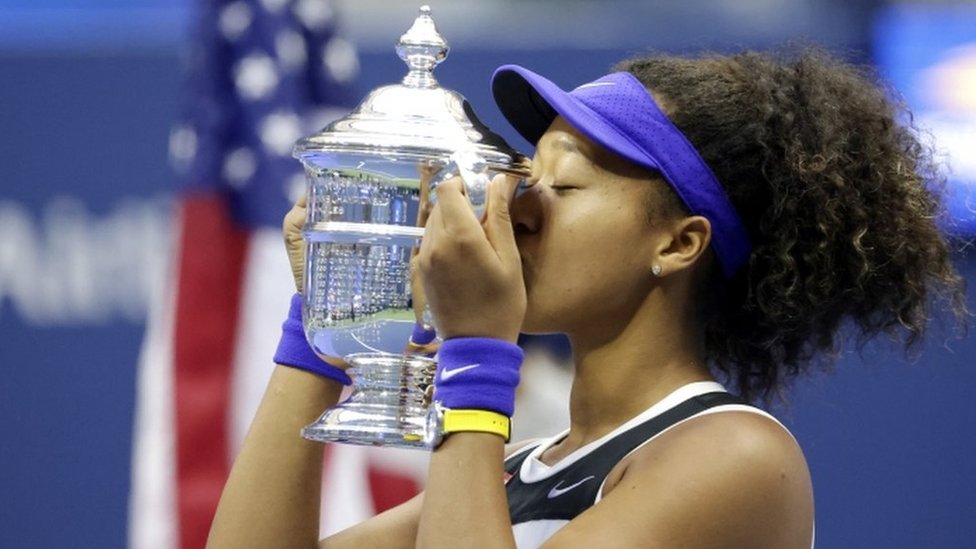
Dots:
pixel 272 496
pixel 465 502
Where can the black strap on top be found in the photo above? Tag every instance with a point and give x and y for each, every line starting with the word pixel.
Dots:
pixel 550 499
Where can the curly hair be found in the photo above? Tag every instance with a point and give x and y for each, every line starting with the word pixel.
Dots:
pixel 840 200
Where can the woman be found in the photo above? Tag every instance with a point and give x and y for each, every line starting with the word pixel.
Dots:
pixel 686 220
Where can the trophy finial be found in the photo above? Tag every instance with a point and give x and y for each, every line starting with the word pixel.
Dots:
pixel 422 48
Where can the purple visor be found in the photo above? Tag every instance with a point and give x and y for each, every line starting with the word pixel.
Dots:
pixel 617 112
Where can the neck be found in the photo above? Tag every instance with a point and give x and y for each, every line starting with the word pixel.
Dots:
pixel 621 374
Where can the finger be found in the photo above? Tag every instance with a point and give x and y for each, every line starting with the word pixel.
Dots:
pixel 498 218
pixel 484 214
pixel 456 215
pixel 294 220
pixel 432 231
pixel 418 296
pixel 518 183
pixel 427 171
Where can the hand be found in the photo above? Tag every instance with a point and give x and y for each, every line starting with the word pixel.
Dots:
pixel 292 227
pixel 471 271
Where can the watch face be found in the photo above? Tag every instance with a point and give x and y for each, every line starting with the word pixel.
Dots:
pixel 434 430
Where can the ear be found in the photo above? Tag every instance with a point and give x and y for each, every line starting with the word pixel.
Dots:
pixel 683 244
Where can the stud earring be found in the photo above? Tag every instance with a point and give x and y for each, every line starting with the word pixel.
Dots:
pixel 656 269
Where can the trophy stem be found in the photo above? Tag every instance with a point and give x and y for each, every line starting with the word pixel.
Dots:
pixel 387 406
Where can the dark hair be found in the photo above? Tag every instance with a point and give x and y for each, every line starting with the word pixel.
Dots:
pixel 839 198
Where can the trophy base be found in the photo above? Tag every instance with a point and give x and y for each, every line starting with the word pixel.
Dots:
pixel 388 405
pixel 351 424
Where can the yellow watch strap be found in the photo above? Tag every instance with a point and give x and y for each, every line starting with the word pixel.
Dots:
pixel 480 421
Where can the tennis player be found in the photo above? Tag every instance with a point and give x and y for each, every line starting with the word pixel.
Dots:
pixel 700 228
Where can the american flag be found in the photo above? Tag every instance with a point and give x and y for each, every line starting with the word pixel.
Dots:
pixel 261 74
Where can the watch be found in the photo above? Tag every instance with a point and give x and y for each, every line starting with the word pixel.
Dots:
pixel 443 421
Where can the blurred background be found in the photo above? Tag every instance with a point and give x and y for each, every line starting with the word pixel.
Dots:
pixel 144 171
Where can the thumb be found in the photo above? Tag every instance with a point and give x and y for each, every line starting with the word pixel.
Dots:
pixel 498 219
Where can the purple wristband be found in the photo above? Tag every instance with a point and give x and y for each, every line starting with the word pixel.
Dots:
pixel 478 373
pixel 422 336
pixel 295 352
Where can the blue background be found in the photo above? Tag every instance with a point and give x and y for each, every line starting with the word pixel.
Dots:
pixel 87 97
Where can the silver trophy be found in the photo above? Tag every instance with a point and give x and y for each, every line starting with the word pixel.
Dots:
pixel 367 175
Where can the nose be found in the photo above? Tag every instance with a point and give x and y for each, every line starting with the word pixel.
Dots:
pixel 526 209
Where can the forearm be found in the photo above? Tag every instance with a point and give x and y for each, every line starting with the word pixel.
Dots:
pixel 464 502
pixel 272 496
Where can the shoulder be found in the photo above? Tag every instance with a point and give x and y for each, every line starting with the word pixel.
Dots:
pixel 721 479
pixel 734 449
pixel 735 433
pixel 743 467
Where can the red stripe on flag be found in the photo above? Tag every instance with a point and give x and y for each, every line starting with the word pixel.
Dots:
pixel 211 259
pixel 389 489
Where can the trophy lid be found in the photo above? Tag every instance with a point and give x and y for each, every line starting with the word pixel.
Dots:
pixel 415 119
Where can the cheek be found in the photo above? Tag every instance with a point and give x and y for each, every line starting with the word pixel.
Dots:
pixel 583 292
pixel 591 263
pixel 605 239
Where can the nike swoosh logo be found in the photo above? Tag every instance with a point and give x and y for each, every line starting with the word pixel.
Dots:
pixel 557 491
pixel 448 374
pixel 595 85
